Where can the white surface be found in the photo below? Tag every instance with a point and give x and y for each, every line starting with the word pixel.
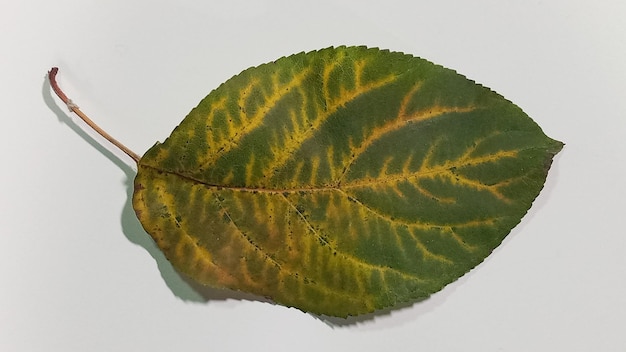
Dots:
pixel 79 274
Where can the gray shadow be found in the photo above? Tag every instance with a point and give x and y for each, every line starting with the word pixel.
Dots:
pixel 336 322
pixel 181 286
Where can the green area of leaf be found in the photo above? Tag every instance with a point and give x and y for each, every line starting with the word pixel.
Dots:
pixel 341 181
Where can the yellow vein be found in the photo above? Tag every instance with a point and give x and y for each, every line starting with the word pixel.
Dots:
pixel 410 225
pixel 401 120
pixel 298 137
pixel 243 235
pixel 282 268
pixel 426 171
pixel 450 230
pixel 256 120
pixel 216 107
pixel 358 261
pixel 418 225
pixel 202 254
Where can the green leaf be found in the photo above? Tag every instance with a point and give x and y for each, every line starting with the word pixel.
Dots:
pixel 341 181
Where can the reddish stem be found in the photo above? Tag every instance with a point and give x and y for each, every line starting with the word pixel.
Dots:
pixel 70 105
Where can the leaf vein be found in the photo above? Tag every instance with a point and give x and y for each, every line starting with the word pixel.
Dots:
pixel 250 123
pixel 402 119
pixel 356 260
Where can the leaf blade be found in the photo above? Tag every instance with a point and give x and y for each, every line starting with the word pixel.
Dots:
pixel 288 181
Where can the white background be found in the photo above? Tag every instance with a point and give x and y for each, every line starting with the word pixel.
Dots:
pixel 77 272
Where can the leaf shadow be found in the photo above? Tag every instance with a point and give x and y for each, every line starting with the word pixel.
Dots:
pixel 182 287
pixel 336 322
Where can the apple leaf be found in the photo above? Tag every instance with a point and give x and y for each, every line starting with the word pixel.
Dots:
pixel 341 181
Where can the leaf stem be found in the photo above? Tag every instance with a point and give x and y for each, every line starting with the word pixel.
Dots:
pixel 74 108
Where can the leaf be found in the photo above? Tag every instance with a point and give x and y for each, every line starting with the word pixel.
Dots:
pixel 341 181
